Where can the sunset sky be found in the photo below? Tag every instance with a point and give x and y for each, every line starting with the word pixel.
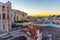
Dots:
pixel 36 7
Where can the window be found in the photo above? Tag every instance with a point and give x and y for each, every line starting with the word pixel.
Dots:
pixel 7 16
pixel 22 14
pixel 7 9
pixel 3 26
pixel 3 15
pixel 0 16
pixel 17 17
pixel 3 6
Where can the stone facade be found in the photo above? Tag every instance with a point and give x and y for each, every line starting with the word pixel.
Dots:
pixel 19 15
pixel 5 16
pixel 9 16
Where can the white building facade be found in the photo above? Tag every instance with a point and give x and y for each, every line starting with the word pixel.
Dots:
pixel 5 16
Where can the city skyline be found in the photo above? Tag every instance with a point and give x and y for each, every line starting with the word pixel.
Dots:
pixel 36 7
